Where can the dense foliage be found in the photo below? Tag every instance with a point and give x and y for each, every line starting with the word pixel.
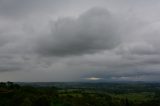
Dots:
pixel 84 95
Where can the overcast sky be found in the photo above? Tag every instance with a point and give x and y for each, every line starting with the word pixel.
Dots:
pixel 79 40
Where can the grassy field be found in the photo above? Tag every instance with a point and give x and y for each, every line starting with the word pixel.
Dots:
pixel 136 97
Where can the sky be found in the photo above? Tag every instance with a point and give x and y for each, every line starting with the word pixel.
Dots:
pixel 79 40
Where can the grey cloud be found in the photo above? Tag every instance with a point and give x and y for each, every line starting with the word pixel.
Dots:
pixel 5 38
pixel 19 9
pixel 64 41
pixel 9 68
pixel 91 32
pixel 137 48
pixel 8 65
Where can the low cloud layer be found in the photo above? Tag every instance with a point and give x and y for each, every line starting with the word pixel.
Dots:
pixel 83 40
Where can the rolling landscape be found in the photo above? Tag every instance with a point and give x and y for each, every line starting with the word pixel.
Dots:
pixel 79 94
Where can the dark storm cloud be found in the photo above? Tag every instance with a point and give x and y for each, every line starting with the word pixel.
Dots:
pixel 93 31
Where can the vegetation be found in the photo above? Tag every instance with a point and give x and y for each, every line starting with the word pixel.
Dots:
pixel 79 94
